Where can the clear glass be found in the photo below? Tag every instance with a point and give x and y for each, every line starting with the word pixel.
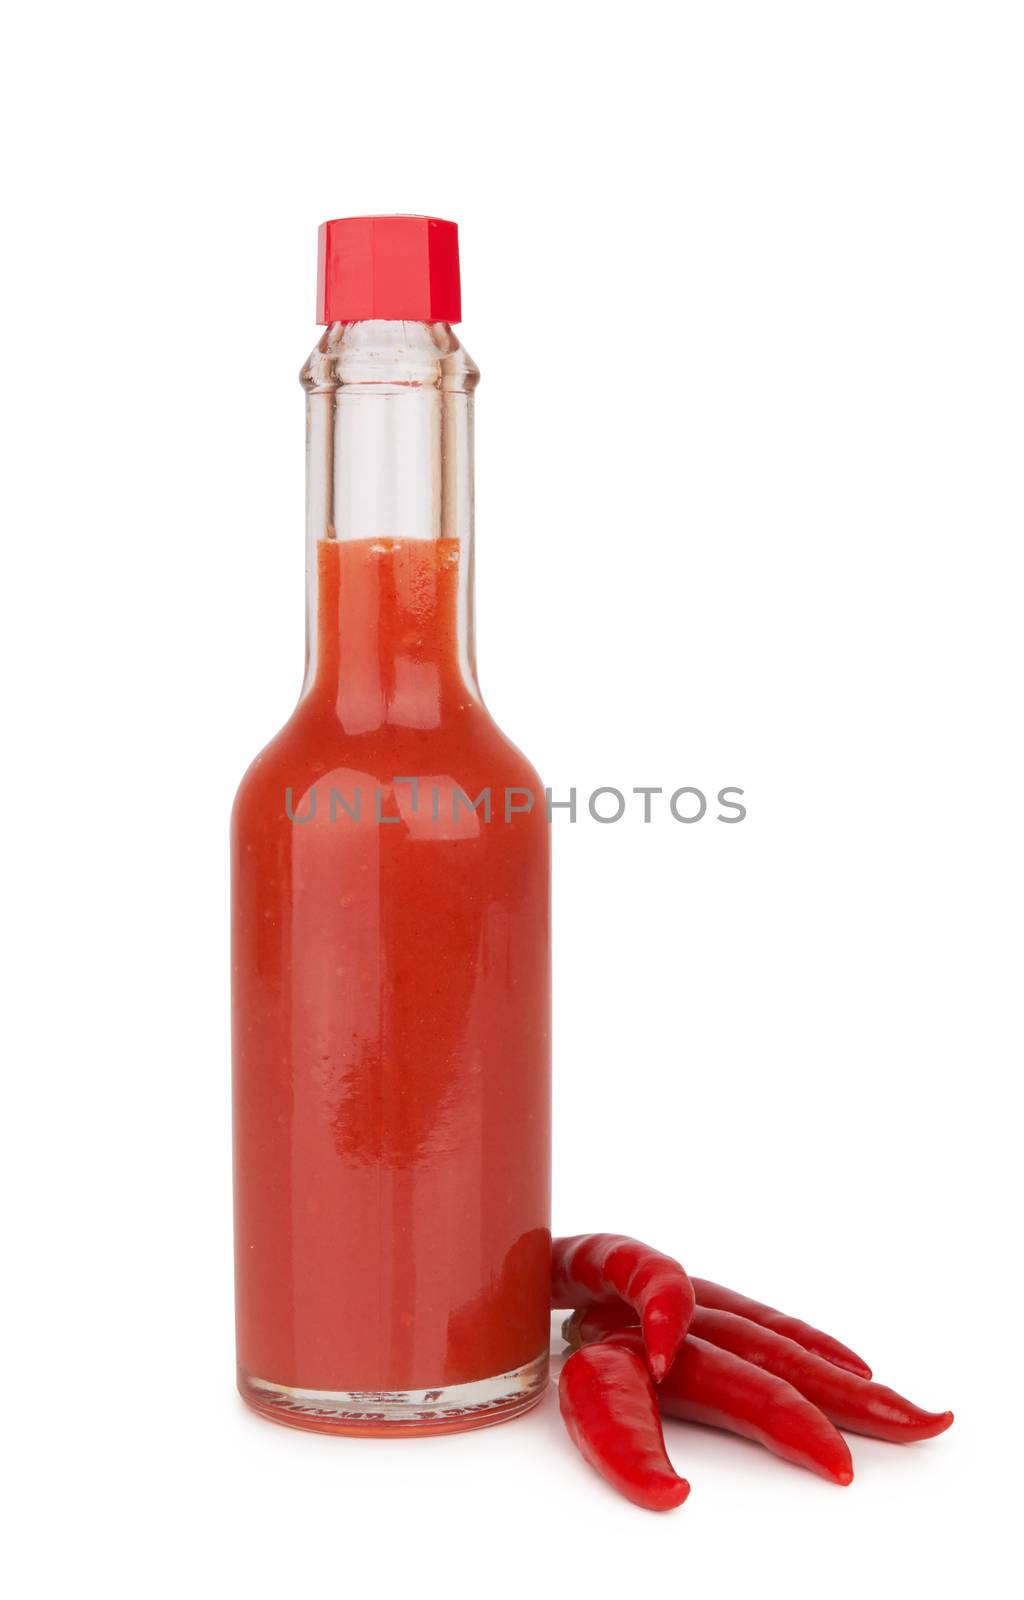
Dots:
pixel 391 961
pixel 389 450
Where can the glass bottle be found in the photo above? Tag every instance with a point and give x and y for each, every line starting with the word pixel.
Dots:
pixel 390 906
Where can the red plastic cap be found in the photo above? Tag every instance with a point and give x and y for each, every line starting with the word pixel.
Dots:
pixel 399 269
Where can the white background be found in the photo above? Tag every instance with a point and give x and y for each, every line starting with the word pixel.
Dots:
pixel 744 281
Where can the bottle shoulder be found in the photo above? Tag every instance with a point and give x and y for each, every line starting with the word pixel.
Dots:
pixel 312 746
pixel 446 784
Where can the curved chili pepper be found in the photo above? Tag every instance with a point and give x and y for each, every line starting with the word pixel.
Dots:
pixel 853 1403
pixel 713 1386
pixel 609 1407
pixel 857 1405
pixel 821 1344
pixel 590 1268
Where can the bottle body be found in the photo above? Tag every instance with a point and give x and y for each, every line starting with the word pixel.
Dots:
pixel 391 963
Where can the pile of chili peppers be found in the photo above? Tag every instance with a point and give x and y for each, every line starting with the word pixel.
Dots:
pixel 647 1339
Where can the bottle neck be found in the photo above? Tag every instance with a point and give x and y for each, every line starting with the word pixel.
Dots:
pixel 389 522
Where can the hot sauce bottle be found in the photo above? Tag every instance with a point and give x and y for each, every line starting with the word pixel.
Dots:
pixel 390 910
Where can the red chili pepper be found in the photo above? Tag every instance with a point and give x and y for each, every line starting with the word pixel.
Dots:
pixel 713 1386
pixel 850 1402
pixel 716 1298
pixel 592 1268
pixel 610 1410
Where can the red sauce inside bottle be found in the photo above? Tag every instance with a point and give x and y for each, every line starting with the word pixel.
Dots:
pixel 391 1007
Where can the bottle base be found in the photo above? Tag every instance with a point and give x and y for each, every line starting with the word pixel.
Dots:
pixel 385 1413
